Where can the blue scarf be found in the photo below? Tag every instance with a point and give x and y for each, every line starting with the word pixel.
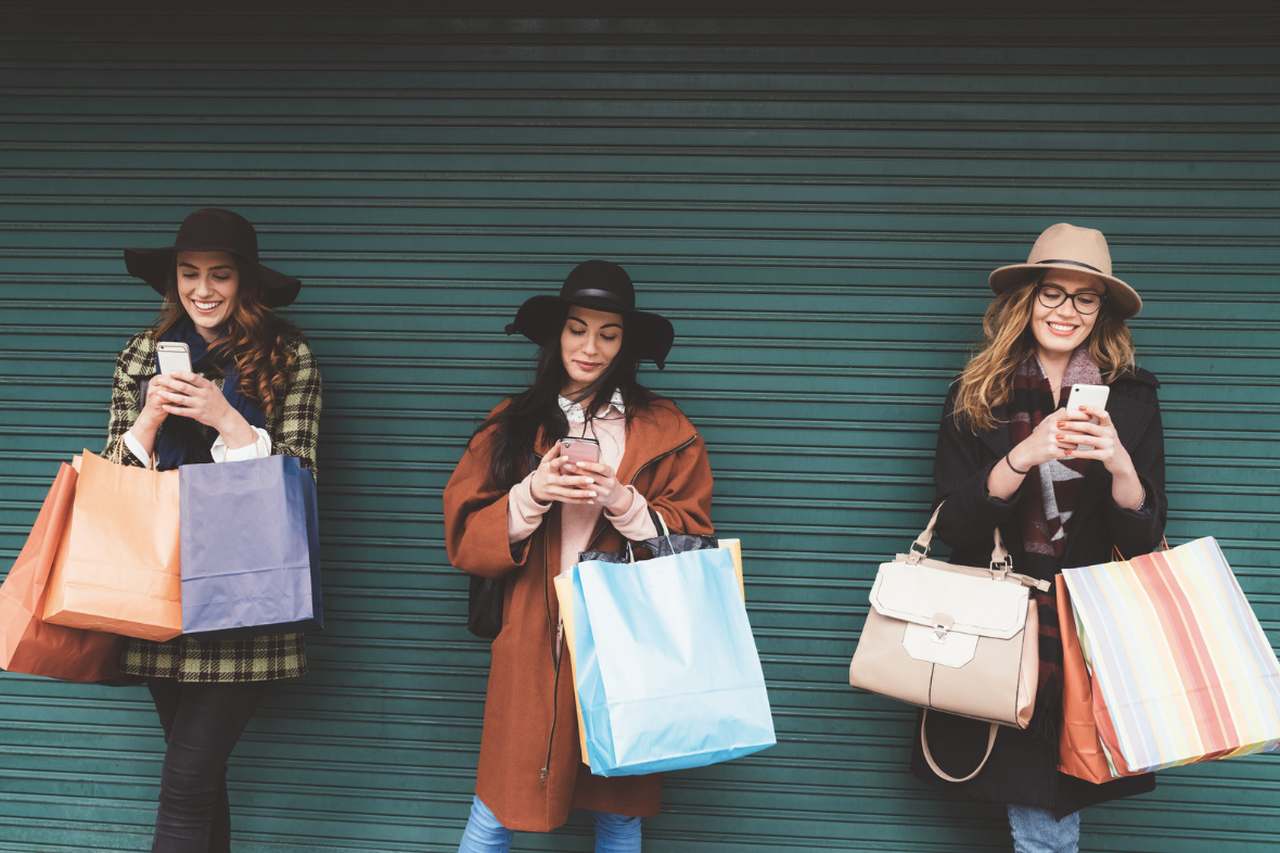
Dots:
pixel 182 441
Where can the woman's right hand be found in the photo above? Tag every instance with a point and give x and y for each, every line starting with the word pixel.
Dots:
pixel 549 484
pixel 153 413
pixel 1044 443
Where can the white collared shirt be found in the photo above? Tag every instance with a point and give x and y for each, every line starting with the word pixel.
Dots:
pixel 575 415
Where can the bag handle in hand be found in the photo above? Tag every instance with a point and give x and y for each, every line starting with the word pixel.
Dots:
pixel 999 554
pixel 666 533
pixel 933 765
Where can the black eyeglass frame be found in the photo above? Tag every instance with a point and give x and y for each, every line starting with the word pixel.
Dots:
pixel 1102 298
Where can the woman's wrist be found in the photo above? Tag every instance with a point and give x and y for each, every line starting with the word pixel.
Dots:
pixel 1014 459
pixel 1127 490
pixel 621 502
pixel 236 432
pixel 145 427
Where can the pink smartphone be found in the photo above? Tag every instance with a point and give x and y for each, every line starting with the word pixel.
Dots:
pixel 580 449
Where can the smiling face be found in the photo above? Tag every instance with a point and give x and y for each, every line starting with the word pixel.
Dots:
pixel 1058 330
pixel 589 342
pixel 207 286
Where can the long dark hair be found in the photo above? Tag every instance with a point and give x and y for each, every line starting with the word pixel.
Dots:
pixel 538 407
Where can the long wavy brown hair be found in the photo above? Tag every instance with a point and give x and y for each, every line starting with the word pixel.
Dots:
pixel 1008 341
pixel 262 343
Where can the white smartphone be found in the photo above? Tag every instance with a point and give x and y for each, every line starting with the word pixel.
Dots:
pixel 173 356
pixel 1093 396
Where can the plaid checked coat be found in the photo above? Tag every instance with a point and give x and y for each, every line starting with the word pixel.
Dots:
pixel 294 431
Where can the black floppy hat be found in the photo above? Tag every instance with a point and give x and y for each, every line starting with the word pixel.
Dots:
pixel 213 229
pixel 604 286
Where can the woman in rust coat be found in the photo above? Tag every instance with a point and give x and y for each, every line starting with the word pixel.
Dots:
pixel 517 508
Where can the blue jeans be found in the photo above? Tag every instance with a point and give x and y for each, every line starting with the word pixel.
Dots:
pixel 1035 831
pixel 615 833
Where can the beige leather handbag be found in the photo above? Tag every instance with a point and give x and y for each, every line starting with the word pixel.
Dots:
pixel 958 639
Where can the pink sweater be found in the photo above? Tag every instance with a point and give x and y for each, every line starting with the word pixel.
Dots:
pixel 577 521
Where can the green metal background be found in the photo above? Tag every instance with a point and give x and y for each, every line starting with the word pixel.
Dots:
pixel 815 203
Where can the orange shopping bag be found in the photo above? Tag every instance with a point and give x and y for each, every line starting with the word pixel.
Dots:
pixel 26 643
pixel 1079 745
pixel 117 567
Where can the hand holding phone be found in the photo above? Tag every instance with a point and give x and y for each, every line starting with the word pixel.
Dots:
pixel 1094 397
pixel 580 449
pixel 556 479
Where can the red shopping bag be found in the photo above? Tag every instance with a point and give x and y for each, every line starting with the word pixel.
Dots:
pixel 28 644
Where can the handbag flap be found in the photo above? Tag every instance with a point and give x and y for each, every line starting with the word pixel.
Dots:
pixel 955 600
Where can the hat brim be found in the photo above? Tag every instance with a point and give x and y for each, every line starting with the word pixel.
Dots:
pixel 154 266
pixel 541 318
pixel 1121 296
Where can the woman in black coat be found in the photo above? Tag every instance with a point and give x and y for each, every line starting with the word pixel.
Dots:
pixel 1064 488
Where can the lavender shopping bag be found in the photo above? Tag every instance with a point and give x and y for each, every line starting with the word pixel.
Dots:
pixel 250 547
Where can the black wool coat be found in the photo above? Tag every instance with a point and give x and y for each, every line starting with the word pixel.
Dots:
pixel 1023 768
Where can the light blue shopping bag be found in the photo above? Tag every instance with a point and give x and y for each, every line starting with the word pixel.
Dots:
pixel 666 667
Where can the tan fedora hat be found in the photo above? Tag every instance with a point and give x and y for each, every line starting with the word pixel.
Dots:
pixel 1069 247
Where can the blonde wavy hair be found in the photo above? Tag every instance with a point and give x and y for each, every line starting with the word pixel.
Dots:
pixel 987 379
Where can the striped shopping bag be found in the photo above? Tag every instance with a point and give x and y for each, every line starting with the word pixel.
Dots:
pixel 1182 670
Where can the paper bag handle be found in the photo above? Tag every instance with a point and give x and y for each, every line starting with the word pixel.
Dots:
pixel 666 533
pixel 1121 558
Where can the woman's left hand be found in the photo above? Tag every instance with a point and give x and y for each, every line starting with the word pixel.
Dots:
pixel 610 494
pixel 190 395
pixel 1104 444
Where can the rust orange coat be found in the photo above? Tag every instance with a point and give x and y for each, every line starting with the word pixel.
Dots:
pixel 531 773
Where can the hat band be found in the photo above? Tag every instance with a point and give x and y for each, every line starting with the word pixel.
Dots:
pixel 597 293
pixel 1072 263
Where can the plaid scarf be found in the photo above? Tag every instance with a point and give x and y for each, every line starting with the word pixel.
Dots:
pixel 1057 483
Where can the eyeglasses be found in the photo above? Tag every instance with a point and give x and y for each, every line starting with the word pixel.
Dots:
pixel 1085 301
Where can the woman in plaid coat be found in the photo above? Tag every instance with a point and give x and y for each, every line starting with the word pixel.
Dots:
pixel 253 391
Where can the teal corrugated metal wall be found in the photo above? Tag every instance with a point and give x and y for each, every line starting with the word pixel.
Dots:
pixel 815 203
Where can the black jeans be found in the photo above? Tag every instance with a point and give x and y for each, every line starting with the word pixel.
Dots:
pixel 202 723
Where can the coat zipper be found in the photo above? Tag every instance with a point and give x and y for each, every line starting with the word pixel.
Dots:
pixel 545 770
pixel 602 524
pixel 555 661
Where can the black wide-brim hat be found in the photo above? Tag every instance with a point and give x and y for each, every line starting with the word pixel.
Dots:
pixel 212 229
pixel 603 286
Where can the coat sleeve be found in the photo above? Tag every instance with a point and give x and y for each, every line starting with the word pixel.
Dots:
pixel 476 523
pixel 1139 531
pixel 126 404
pixel 295 430
pixel 683 496
pixel 970 514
